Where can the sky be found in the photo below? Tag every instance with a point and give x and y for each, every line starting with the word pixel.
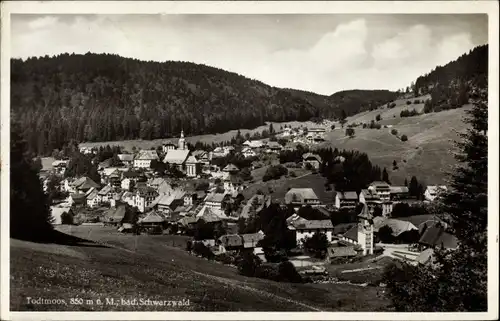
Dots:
pixel 322 53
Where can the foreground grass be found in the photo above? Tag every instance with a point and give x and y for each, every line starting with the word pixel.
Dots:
pixel 155 267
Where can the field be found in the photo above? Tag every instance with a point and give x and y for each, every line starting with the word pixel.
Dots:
pixel 428 153
pixel 208 139
pixel 157 268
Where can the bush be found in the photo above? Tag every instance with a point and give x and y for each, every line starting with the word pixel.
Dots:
pixel 408 113
pixel 275 172
pixel 67 218
pixel 202 250
pixel 292 174
pixel 225 258
pixel 408 102
pixel 378 118
pixel 248 263
pixel 268 271
pixel 404 138
pixel 416 101
pixel 349 132
pixel 287 272
pixel 394 132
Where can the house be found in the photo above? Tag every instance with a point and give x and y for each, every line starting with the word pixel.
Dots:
pixel 191 166
pixel 126 184
pixel 144 158
pixel 233 184
pixel 436 236
pixel 77 198
pixel 373 201
pixel 302 196
pixel 82 184
pixel 434 191
pixel 167 203
pixel 398 193
pixel 202 157
pixel 273 147
pixel 231 169
pixel 254 144
pixel 211 215
pixel 346 200
pixel 168 146
pixel 151 220
pixel 191 198
pixel 247 152
pixel 250 241
pixel 310 159
pixel 362 233
pixel 60 166
pixel 144 198
pixel 230 242
pixel 307 228
pixel 382 189
pixel 398 227
pixel 105 194
pixel 177 157
pixel 86 150
pixel 92 199
pixel 128 198
pixel 216 200
pixel 126 159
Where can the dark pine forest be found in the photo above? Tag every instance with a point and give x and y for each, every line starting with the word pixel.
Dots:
pixel 102 97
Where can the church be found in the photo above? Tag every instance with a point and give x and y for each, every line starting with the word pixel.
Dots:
pixel 181 157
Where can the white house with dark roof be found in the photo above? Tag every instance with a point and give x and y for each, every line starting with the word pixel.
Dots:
pixel 382 189
pixel 144 158
pixel 307 228
pixel 302 197
pixel 311 159
pixel 433 191
pixel 215 200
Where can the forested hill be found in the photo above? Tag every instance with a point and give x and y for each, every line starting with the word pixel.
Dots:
pixel 451 85
pixel 102 97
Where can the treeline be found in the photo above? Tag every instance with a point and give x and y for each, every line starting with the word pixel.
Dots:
pixel 102 97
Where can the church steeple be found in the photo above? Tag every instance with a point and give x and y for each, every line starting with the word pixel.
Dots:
pixel 182 142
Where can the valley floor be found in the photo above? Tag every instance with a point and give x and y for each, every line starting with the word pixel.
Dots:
pixel 129 267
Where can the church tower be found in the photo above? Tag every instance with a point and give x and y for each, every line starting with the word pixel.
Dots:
pixel 182 141
pixel 365 230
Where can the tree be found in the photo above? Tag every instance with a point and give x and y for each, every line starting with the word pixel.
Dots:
pixel 394 132
pixel 30 216
pixel 332 127
pixel 317 244
pixel 248 263
pixel 385 176
pixel 343 117
pixel 288 272
pixel 350 132
pixel 406 182
pixel 413 187
pixel 457 280
pixel 404 138
pixel 385 234
pixel 378 118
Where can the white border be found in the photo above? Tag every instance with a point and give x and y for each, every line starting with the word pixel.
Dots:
pixel 240 7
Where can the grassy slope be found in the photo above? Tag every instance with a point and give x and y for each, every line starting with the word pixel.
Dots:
pixel 154 267
pixel 428 151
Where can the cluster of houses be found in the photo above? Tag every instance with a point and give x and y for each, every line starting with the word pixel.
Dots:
pixel 164 203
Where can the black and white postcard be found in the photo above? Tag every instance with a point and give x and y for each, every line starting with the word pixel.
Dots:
pixel 249 160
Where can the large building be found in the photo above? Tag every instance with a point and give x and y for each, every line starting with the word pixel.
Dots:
pixel 144 158
pixel 182 158
pixel 302 197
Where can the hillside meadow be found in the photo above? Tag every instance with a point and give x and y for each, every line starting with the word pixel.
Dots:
pixel 114 265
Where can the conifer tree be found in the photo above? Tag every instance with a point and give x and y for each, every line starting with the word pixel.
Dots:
pixel 457 279
pixel 30 216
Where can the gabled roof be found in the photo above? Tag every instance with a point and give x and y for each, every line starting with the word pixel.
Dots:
pixel 397 226
pixel 126 157
pixel 252 239
pixel 210 215
pixel 436 236
pixel 369 196
pixel 186 220
pixel 301 194
pixel 380 184
pixel 152 217
pixel 347 195
pixel 92 195
pixel 342 228
pixel 231 240
pixel 399 189
pixel 147 155
pixel 311 156
pixel 105 190
pixel 176 156
pixel 433 189
pixel 200 153
pixel 85 183
pixel 352 233
pixel 312 224
pixel 168 199
pixel 230 168
pixel 215 197
pixel 191 160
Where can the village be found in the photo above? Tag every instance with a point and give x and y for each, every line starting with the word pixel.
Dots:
pixel 205 202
